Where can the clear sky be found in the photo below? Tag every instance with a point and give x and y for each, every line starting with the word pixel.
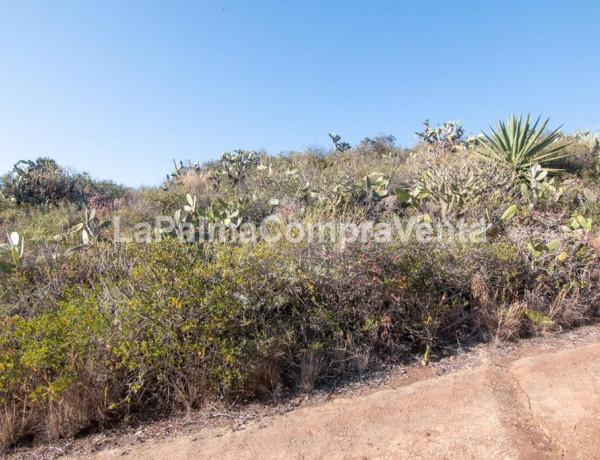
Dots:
pixel 119 88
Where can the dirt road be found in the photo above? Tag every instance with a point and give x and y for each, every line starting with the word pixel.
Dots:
pixel 541 406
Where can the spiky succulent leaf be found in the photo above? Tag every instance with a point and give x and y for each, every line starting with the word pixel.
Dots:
pixel 520 144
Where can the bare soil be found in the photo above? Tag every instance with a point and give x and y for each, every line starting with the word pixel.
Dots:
pixel 538 398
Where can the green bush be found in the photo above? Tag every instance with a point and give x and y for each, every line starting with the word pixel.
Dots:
pixel 166 326
pixel 43 182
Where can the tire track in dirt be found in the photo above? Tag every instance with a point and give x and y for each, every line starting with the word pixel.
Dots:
pixel 528 435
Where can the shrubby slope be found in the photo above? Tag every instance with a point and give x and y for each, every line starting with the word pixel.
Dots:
pixel 93 330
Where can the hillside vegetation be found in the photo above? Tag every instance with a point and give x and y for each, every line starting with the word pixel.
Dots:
pixel 108 314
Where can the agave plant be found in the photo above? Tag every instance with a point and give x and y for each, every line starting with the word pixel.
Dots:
pixel 519 144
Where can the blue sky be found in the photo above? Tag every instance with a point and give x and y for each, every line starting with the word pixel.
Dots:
pixel 119 88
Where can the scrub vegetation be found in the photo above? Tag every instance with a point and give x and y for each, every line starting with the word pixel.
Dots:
pixel 94 331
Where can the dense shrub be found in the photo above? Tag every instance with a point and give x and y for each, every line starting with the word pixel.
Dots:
pixel 43 182
pixel 151 329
